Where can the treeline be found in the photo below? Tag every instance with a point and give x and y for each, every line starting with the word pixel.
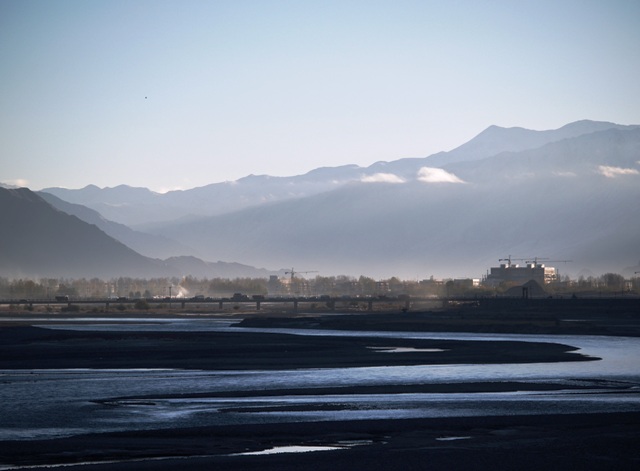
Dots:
pixel 48 288
pixel 128 287
pixel 191 286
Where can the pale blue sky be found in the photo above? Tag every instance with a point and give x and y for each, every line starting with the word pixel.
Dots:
pixel 282 87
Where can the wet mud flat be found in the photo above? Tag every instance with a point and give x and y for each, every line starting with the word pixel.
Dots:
pixel 613 317
pixel 25 347
pixel 586 442
pixel 568 441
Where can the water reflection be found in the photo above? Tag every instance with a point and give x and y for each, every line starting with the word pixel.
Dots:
pixel 50 403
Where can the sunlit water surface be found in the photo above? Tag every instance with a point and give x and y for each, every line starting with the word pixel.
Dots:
pixel 53 403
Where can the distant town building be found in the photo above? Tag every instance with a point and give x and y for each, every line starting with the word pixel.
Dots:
pixel 432 287
pixel 382 287
pixel 287 286
pixel 275 287
pixel 432 283
pixel 516 274
pixel 466 283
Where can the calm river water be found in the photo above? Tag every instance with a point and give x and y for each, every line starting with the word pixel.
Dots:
pixel 54 403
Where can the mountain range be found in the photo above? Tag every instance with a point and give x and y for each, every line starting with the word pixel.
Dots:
pixel 38 240
pixel 569 196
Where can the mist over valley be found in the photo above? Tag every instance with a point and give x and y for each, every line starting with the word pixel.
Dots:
pixel 565 194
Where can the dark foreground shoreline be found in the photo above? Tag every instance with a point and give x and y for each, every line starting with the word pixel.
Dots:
pixel 611 319
pixel 554 442
pixel 572 441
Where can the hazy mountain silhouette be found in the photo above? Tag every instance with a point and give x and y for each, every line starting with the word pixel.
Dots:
pixel 495 140
pixel 195 267
pixel 142 209
pixel 145 244
pixel 565 194
pixel 564 201
pixel 38 240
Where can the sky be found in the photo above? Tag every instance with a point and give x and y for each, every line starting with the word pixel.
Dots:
pixel 180 94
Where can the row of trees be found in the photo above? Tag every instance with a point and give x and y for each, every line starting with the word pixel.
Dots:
pixel 129 287
pixel 609 283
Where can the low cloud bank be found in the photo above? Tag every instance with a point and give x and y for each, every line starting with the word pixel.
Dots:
pixel 613 172
pixel 382 178
pixel 437 175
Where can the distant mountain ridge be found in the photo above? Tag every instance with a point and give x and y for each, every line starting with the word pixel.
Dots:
pixel 565 194
pixel 571 199
pixel 495 139
pixel 38 241
pixel 145 244
pixel 142 208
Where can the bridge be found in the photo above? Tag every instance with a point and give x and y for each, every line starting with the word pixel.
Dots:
pixel 403 303
pixel 330 302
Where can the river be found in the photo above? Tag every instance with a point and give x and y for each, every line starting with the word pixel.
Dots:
pixel 57 403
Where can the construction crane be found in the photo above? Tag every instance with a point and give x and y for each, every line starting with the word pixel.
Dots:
pixel 533 260
pixel 536 260
pixel 294 273
pixel 508 260
pixel 546 260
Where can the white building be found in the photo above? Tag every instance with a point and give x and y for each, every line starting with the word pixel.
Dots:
pixel 519 275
